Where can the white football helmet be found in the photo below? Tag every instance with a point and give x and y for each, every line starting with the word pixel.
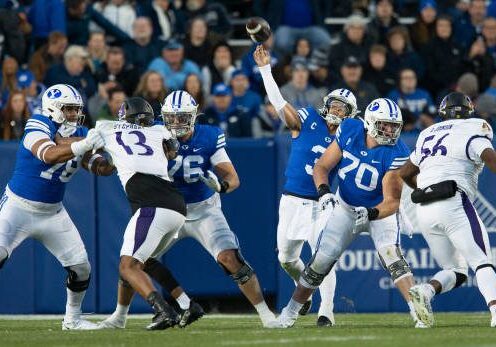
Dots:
pixel 56 97
pixel 344 98
pixel 383 121
pixel 179 112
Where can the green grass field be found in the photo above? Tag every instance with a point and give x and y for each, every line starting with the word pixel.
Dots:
pixel 383 330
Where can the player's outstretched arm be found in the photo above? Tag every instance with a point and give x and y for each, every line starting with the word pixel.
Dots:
pixel 408 173
pixel 391 190
pixel 285 110
pixel 99 163
pixel 326 163
pixel 488 156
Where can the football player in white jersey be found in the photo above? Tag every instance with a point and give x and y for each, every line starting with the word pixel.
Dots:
pixel 49 153
pixel 301 218
pixel 443 170
pixel 140 152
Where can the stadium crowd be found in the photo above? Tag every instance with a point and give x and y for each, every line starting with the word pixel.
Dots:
pixel 113 49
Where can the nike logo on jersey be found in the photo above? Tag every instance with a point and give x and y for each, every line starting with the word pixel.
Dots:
pixel 197 149
pixel 376 162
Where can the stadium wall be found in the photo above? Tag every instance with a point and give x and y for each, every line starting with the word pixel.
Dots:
pixel 33 282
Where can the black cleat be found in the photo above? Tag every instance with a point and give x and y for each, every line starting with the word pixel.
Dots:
pixel 190 315
pixel 323 321
pixel 165 316
pixel 305 308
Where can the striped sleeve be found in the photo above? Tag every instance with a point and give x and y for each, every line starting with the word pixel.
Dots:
pixel 221 140
pixel 398 162
pixel 37 125
pixel 303 115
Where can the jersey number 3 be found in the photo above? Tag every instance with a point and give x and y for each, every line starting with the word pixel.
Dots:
pixel 139 147
pixel 319 150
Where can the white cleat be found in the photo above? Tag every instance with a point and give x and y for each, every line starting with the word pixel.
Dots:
pixel 112 322
pixel 285 319
pixel 79 324
pixel 422 305
pixel 272 324
pixel 493 322
pixel 420 325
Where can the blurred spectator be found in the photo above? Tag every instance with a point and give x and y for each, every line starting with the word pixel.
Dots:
pixel 427 117
pixel 408 95
pixel 167 21
pixel 351 74
pixel 443 57
pixel 9 79
pixel 302 49
pixel 485 107
pixel 455 8
pixel 489 35
pixel 151 87
pixel 142 49
pixel 197 46
pixel 318 64
pixel 492 88
pixel 194 87
pixel 480 62
pixel 214 13
pixel 15 116
pixel 32 89
pixel 115 71
pixel 469 25
pixel 269 123
pixel 242 96
pixel 299 18
pixel 401 55
pixel 422 31
pixel 74 71
pixel 97 50
pixel 409 122
pixel 79 15
pixel 383 21
pixel 298 91
pixel 376 72
pixel 48 55
pixel 46 17
pixel 172 65
pixel 12 41
pixel 116 96
pixel 354 42
pixel 220 68
pixel 233 120
pixel 468 84
pixel 118 12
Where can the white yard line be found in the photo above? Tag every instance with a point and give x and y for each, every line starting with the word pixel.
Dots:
pixel 300 339
pixel 103 316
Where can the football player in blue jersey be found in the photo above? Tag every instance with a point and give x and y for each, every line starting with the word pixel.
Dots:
pixel 301 218
pixel 367 156
pixel 49 153
pixel 201 170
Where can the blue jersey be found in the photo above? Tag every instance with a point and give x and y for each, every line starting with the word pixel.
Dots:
pixel 193 159
pixel 306 149
pixel 38 181
pixel 361 170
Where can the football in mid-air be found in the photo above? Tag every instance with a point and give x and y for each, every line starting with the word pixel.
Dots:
pixel 258 29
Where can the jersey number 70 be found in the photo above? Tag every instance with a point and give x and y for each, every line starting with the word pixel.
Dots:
pixel 362 168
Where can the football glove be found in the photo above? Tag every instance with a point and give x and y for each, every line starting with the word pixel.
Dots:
pixel 361 220
pixel 326 200
pixel 211 181
pixel 92 141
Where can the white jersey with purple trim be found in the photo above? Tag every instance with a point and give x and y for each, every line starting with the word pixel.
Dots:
pixel 135 148
pixel 451 150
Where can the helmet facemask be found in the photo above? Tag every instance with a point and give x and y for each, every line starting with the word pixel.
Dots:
pixel 385 132
pixel 179 123
pixel 78 118
pixel 335 110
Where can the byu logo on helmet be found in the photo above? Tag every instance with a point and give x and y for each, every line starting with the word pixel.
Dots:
pixel 374 106
pixel 54 94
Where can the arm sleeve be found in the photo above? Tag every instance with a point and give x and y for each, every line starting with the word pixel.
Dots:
pixel 477 145
pixel 220 156
pixel 32 137
pixel 399 157
pixel 221 141
pixel 303 115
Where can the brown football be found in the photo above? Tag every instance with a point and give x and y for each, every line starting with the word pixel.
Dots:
pixel 258 29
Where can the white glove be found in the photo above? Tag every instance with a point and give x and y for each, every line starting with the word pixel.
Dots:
pixel 92 141
pixel 361 220
pixel 166 133
pixel 211 180
pixel 326 200
pixel 66 130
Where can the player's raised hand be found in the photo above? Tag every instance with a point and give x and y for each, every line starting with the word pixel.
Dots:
pixel 95 138
pixel 261 56
pixel 211 180
pixel 362 220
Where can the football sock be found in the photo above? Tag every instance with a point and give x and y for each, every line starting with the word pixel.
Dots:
pixel 486 281
pixel 294 307
pixel 73 305
pixel 447 278
pixel 412 311
pixel 263 311
pixel 492 309
pixel 183 301
pixel 326 289
pixel 121 310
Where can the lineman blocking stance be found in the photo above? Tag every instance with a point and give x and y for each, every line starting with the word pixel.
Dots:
pixel 367 157
pixel 201 153
pixel 139 151
pixel 301 218
pixel 444 170
pixel 50 152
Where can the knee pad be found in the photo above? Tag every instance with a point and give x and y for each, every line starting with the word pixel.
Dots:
pixel 460 279
pixel 312 279
pixel 244 274
pixel 78 277
pixel 4 255
pixel 393 261
pixel 483 266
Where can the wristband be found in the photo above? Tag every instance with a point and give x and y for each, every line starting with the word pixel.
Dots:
pixel 323 190
pixel 373 213
pixel 224 186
